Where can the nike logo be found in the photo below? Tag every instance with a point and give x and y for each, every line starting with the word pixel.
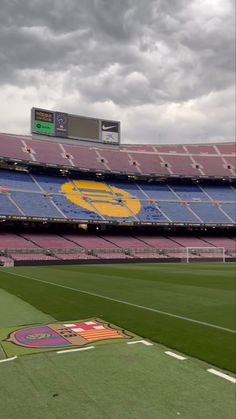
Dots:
pixel 105 128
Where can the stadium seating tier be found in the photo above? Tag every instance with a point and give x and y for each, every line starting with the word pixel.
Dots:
pixel 190 160
pixel 60 197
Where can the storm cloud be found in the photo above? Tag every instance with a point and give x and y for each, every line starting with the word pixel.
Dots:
pixel 165 68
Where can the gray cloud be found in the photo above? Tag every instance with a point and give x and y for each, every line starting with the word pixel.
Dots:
pixel 123 57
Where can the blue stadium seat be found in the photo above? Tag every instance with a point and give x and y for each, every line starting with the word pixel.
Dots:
pixel 209 213
pixel 230 209
pixel 177 212
pixel 35 204
pixel 221 193
pixel 74 211
pixel 17 180
pixel 7 207
pixel 97 201
pixel 189 192
pixel 49 183
pixel 154 190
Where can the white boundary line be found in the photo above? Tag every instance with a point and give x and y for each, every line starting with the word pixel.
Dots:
pixel 222 375
pixel 165 313
pixel 180 357
pixel 65 351
pixel 9 359
pixel 144 342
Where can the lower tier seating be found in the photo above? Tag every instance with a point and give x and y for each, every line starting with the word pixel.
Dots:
pixel 39 247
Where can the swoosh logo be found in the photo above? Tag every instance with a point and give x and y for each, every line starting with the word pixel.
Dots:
pixel 106 128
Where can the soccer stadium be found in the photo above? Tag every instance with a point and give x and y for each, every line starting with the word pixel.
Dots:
pixel 117 278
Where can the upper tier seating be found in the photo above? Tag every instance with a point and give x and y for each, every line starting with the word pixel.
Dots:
pixel 48 197
pixel 190 160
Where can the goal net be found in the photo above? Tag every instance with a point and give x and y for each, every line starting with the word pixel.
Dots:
pixel 207 253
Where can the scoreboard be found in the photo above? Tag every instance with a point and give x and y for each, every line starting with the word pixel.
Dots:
pixel 76 127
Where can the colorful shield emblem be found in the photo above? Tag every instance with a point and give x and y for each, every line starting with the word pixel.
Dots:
pixel 65 334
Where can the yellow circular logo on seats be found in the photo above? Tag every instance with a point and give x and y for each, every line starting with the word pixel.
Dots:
pixel 101 198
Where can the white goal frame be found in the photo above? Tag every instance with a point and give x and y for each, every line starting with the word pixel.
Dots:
pixel 212 250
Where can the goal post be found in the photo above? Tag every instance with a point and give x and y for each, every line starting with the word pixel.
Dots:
pixel 193 253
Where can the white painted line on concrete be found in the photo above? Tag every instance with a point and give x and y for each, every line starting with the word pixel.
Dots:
pixel 9 359
pixel 222 375
pixel 180 357
pixel 65 351
pixel 154 310
pixel 144 342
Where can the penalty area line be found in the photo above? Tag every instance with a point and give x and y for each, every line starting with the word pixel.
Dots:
pixel 65 351
pixel 9 359
pixel 104 297
pixel 144 342
pixel 180 357
pixel 222 375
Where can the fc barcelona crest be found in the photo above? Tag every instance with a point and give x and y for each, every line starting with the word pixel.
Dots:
pixel 59 335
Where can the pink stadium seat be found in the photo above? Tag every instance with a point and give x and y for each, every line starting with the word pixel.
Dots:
pixel 227 148
pixel 48 241
pixel 188 241
pixel 89 241
pixel 220 242
pixel 142 148
pixel 47 152
pixel 14 241
pixel 75 256
pixel 158 242
pixel 230 161
pixel 128 158
pixel 113 256
pixel 32 256
pixel 212 165
pixel 125 241
pixel 84 157
pixel 201 149
pixel 119 161
pixel 171 149
pixel 181 165
pixel 148 255
pixel 150 163
pixel 13 147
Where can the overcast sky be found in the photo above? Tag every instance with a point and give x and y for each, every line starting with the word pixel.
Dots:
pixel 164 68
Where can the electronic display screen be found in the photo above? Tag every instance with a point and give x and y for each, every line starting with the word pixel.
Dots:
pixel 43 122
pixel 75 127
pixel 44 116
pixel 81 127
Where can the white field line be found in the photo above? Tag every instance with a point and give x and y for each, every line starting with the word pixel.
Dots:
pixel 154 310
pixel 65 351
pixel 180 357
pixel 222 375
pixel 144 342
pixel 9 359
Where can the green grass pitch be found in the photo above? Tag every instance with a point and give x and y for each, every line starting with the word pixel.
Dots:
pixel 203 293
pixel 188 308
